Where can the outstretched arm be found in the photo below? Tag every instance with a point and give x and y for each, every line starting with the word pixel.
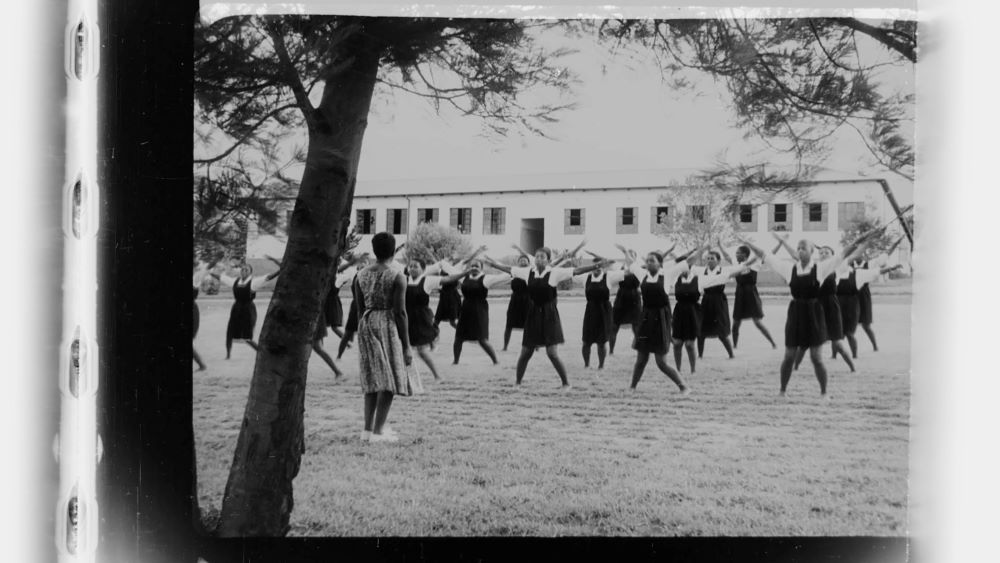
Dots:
pixel 669 252
pixel 722 250
pixel 497 265
pixel 590 268
pixel 472 255
pixel 783 243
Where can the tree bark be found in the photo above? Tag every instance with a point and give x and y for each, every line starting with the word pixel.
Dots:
pixel 258 498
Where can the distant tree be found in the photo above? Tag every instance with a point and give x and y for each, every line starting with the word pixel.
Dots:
pixel 796 81
pixel 433 241
pixel 878 244
pixel 699 213
pixel 257 78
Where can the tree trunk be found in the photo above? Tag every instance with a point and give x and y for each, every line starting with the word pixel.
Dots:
pixel 258 498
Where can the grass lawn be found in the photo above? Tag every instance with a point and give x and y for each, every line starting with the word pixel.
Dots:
pixel 477 457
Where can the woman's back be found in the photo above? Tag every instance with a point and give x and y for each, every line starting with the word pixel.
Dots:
pixel 376 284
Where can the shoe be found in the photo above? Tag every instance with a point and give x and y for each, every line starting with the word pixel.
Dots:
pixel 387 430
pixel 388 438
pixel 366 435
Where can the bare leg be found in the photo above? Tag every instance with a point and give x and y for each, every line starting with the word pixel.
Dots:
pixel 871 335
pixel 701 346
pixel 382 405
pixel 344 343
pixel 838 345
pixel 318 348
pixel 506 337
pixel 736 331
pixel 602 353
pixel 641 359
pixel 728 345
pixel 522 361
pixel 786 366
pixel 763 330
pixel 425 355
pixel 197 359
pixel 678 353
pixel 689 346
pixel 457 350
pixel 674 375
pixel 816 355
pixel 853 343
pixel 586 355
pixel 485 345
pixel 371 399
pixel 553 353
pixel 799 355
pixel 613 339
pixel 453 323
pixel 252 344
pixel 340 333
pixel 229 346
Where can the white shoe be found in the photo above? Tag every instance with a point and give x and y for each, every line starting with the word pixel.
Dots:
pixel 366 435
pixel 388 431
pixel 388 438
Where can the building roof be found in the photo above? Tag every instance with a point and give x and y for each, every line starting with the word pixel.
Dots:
pixel 602 179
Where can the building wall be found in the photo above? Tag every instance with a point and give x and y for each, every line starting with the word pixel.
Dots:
pixel 600 216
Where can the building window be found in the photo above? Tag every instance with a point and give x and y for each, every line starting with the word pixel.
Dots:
pixel 747 218
pixel 395 221
pixel 779 217
pixel 494 220
pixel 427 215
pixel 814 217
pixel 573 221
pixel 461 219
pixel 626 223
pixel 365 222
pixel 697 213
pixel 848 213
pixel 659 215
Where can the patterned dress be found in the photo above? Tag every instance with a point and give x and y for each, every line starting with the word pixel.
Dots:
pixel 380 350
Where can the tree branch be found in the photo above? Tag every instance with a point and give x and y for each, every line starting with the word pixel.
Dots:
pixel 291 77
pixel 908 50
pixel 239 142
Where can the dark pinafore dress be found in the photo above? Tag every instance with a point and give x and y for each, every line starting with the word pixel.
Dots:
pixel 517 308
pixel 597 325
pixel 334 308
pixel 352 315
pixel 865 302
pixel 715 311
pixel 243 315
pixel 653 333
pixel 449 303
pixel 687 311
pixel 420 318
pixel 831 308
pixel 628 301
pixel 746 304
pixel 850 308
pixel 542 327
pixel 196 319
pixel 806 323
pixel 474 318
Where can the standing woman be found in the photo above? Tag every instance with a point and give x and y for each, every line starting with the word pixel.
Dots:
pixel 746 302
pixel 383 339
pixel 687 317
pixel 865 293
pixel 517 307
pixel 474 318
pixel 449 305
pixel 850 283
pixel 653 334
pixel 805 326
pixel 628 301
pixel 714 305
pixel 243 314
pixel 420 318
pixel 597 321
pixel 542 328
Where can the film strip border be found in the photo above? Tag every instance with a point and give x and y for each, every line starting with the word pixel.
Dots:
pixel 77 446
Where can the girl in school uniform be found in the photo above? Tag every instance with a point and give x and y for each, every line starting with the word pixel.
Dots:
pixel 449 305
pixel 714 305
pixel 598 325
pixel 542 328
pixel 628 300
pixel 654 322
pixel 474 319
pixel 688 312
pixel 517 307
pixel 865 295
pixel 331 315
pixel 422 330
pixel 243 314
pixel 850 282
pixel 805 325
pixel 746 301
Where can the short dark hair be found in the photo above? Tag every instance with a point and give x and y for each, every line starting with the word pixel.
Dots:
pixel 657 255
pixel 744 249
pixel 715 253
pixel 546 250
pixel 384 246
pixel 423 264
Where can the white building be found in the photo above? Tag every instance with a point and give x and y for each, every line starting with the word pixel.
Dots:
pixel 604 208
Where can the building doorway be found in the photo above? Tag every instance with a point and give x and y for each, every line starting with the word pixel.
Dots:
pixel 532 235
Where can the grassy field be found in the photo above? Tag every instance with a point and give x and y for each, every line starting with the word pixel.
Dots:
pixel 477 457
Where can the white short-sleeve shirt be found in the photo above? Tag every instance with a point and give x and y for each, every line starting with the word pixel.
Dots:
pixel 784 268
pixel 556 275
pixel 256 283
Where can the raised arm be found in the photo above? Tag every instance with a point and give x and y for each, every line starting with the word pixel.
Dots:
pixel 783 243
pixel 781 267
pixel 591 267
pixel 669 251
pixel 722 251
pixel 497 265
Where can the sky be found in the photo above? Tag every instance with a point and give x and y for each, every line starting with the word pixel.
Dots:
pixel 626 118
